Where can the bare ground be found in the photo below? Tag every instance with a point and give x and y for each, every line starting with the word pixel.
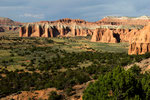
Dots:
pixel 44 94
pixel 144 65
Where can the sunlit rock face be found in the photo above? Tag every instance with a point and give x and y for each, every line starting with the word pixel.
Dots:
pixel 113 35
pixel 140 43
pixel 63 27
pixel 104 35
pixel 78 27
pixel 107 30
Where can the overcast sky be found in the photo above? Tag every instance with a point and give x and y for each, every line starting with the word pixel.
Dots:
pixel 89 10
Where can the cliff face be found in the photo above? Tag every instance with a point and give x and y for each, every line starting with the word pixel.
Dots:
pixel 62 27
pixel 53 30
pixel 140 43
pixel 104 35
pixel 78 27
pixel 113 35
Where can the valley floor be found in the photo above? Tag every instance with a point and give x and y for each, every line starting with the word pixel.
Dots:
pixel 31 68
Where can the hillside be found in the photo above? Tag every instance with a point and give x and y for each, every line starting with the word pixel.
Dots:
pixel 72 59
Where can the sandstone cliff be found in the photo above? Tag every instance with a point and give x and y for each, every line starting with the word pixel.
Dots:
pixel 120 35
pixel 53 30
pixel 108 30
pixel 104 35
pixel 140 43
pixel 62 27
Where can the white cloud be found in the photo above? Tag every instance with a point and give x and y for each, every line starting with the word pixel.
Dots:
pixel 38 16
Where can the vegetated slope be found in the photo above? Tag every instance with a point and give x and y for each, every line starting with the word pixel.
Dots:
pixel 144 65
pixel 121 85
pixel 40 63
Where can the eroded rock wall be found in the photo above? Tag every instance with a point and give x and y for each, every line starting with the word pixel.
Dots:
pixel 120 35
pixel 140 43
pixel 50 30
pixel 104 35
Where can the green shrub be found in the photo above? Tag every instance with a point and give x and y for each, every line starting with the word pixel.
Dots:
pixel 116 85
pixel 54 96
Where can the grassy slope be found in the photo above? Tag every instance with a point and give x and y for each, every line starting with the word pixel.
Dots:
pixel 73 44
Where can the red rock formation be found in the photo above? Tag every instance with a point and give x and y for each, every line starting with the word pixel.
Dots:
pixel 53 30
pixel 140 43
pixel 109 20
pixel 121 29
pixel 36 30
pixel 104 35
pixel 125 34
pixel 121 35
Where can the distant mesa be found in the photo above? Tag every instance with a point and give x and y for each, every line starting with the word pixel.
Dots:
pixel 123 20
pixel 8 24
pixel 7 21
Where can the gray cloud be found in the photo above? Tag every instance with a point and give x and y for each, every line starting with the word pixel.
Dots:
pixel 91 10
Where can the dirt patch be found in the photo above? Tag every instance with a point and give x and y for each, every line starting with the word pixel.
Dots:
pixel 44 94
pixel 144 65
